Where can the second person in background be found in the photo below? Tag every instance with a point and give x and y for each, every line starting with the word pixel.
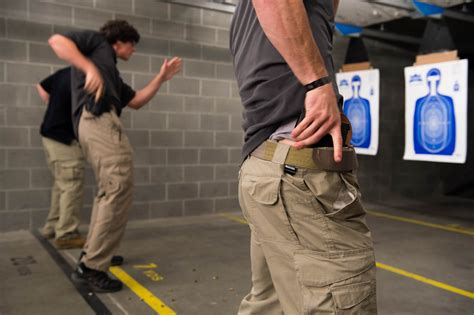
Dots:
pixel 98 97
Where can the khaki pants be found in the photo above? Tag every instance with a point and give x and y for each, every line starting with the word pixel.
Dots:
pixel 311 250
pixel 66 163
pixel 108 151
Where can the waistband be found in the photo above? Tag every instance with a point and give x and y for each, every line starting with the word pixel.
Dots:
pixel 321 158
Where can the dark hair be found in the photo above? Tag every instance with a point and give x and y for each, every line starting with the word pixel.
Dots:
pixel 119 30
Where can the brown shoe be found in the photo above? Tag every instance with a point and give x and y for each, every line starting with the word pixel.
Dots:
pixel 70 241
pixel 47 234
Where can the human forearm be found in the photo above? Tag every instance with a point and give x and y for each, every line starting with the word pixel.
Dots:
pixel 286 25
pixel 67 50
pixel 42 93
pixel 168 69
pixel 143 96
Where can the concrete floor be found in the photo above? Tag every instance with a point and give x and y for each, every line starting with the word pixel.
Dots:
pixel 200 265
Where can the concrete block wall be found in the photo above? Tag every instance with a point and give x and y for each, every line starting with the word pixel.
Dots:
pixel 187 140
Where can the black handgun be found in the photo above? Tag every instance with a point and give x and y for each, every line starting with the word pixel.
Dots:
pixel 326 141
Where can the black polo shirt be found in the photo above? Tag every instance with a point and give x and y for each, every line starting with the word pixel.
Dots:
pixel 57 121
pixel 95 47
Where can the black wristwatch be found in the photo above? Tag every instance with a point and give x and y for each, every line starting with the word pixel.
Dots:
pixel 318 83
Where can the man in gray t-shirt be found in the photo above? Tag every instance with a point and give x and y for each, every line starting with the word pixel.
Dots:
pixel 311 251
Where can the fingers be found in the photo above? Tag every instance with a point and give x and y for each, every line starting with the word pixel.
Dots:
pixel 314 138
pixel 170 68
pixel 99 92
pixel 88 86
pixel 174 60
pixel 174 65
pixel 309 130
pixel 93 82
pixel 337 142
pixel 91 86
pixel 300 127
pixel 312 133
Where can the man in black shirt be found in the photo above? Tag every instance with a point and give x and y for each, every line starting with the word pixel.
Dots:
pixel 311 250
pixel 98 97
pixel 65 160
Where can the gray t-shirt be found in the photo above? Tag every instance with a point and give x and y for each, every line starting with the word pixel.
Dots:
pixel 95 47
pixel 271 94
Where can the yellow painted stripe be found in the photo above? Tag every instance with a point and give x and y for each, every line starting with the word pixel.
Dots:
pixel 423 223
pixel 235 218
pixel 143 293
pixel 432 282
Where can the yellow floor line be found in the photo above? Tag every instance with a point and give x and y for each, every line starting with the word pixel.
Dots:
pixel 423 223
pixel 401 272
pixel 434 283
pixel 144 294
pixel 235 218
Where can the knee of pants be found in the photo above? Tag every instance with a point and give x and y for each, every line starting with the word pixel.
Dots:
pixel 116 175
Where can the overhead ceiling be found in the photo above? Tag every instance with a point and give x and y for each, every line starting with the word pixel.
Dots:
pixel 369 12
pixel 354 12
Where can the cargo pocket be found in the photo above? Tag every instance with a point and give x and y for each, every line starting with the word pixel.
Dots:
pixel 264 209
pixel 343 210
pixel 343 282
pixel 330 190
pixel 116 173
pixel 69 170
pixel 351 299
pixel 304 213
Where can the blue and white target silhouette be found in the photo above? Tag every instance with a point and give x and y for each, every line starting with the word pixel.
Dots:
pixel 434 121
pixel 357 109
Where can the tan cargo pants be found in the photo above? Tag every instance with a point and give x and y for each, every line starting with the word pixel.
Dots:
pixel 311 250
pixel 66 163
pixel 108 151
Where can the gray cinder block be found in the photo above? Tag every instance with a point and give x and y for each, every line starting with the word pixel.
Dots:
pixel 15 51
pixel 213 156
pixel 27 30
pixel 214 189
pixel 152 8
pixel 182 156
pixel 13 137
pixel 167 139
pixel 26 73
pixel 198 173
pixel 14 179
pixel 182 191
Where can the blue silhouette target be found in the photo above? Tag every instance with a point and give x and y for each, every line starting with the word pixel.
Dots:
pixel 434 128
pixel 357 109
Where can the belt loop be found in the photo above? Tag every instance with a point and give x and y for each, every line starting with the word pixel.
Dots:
pixel 281 152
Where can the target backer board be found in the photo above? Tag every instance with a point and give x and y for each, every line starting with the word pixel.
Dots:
pixel 436 112
pixel 360 90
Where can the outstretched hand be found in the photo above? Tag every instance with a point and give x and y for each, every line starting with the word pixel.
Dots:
pixel 322 118
pixel 169 68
